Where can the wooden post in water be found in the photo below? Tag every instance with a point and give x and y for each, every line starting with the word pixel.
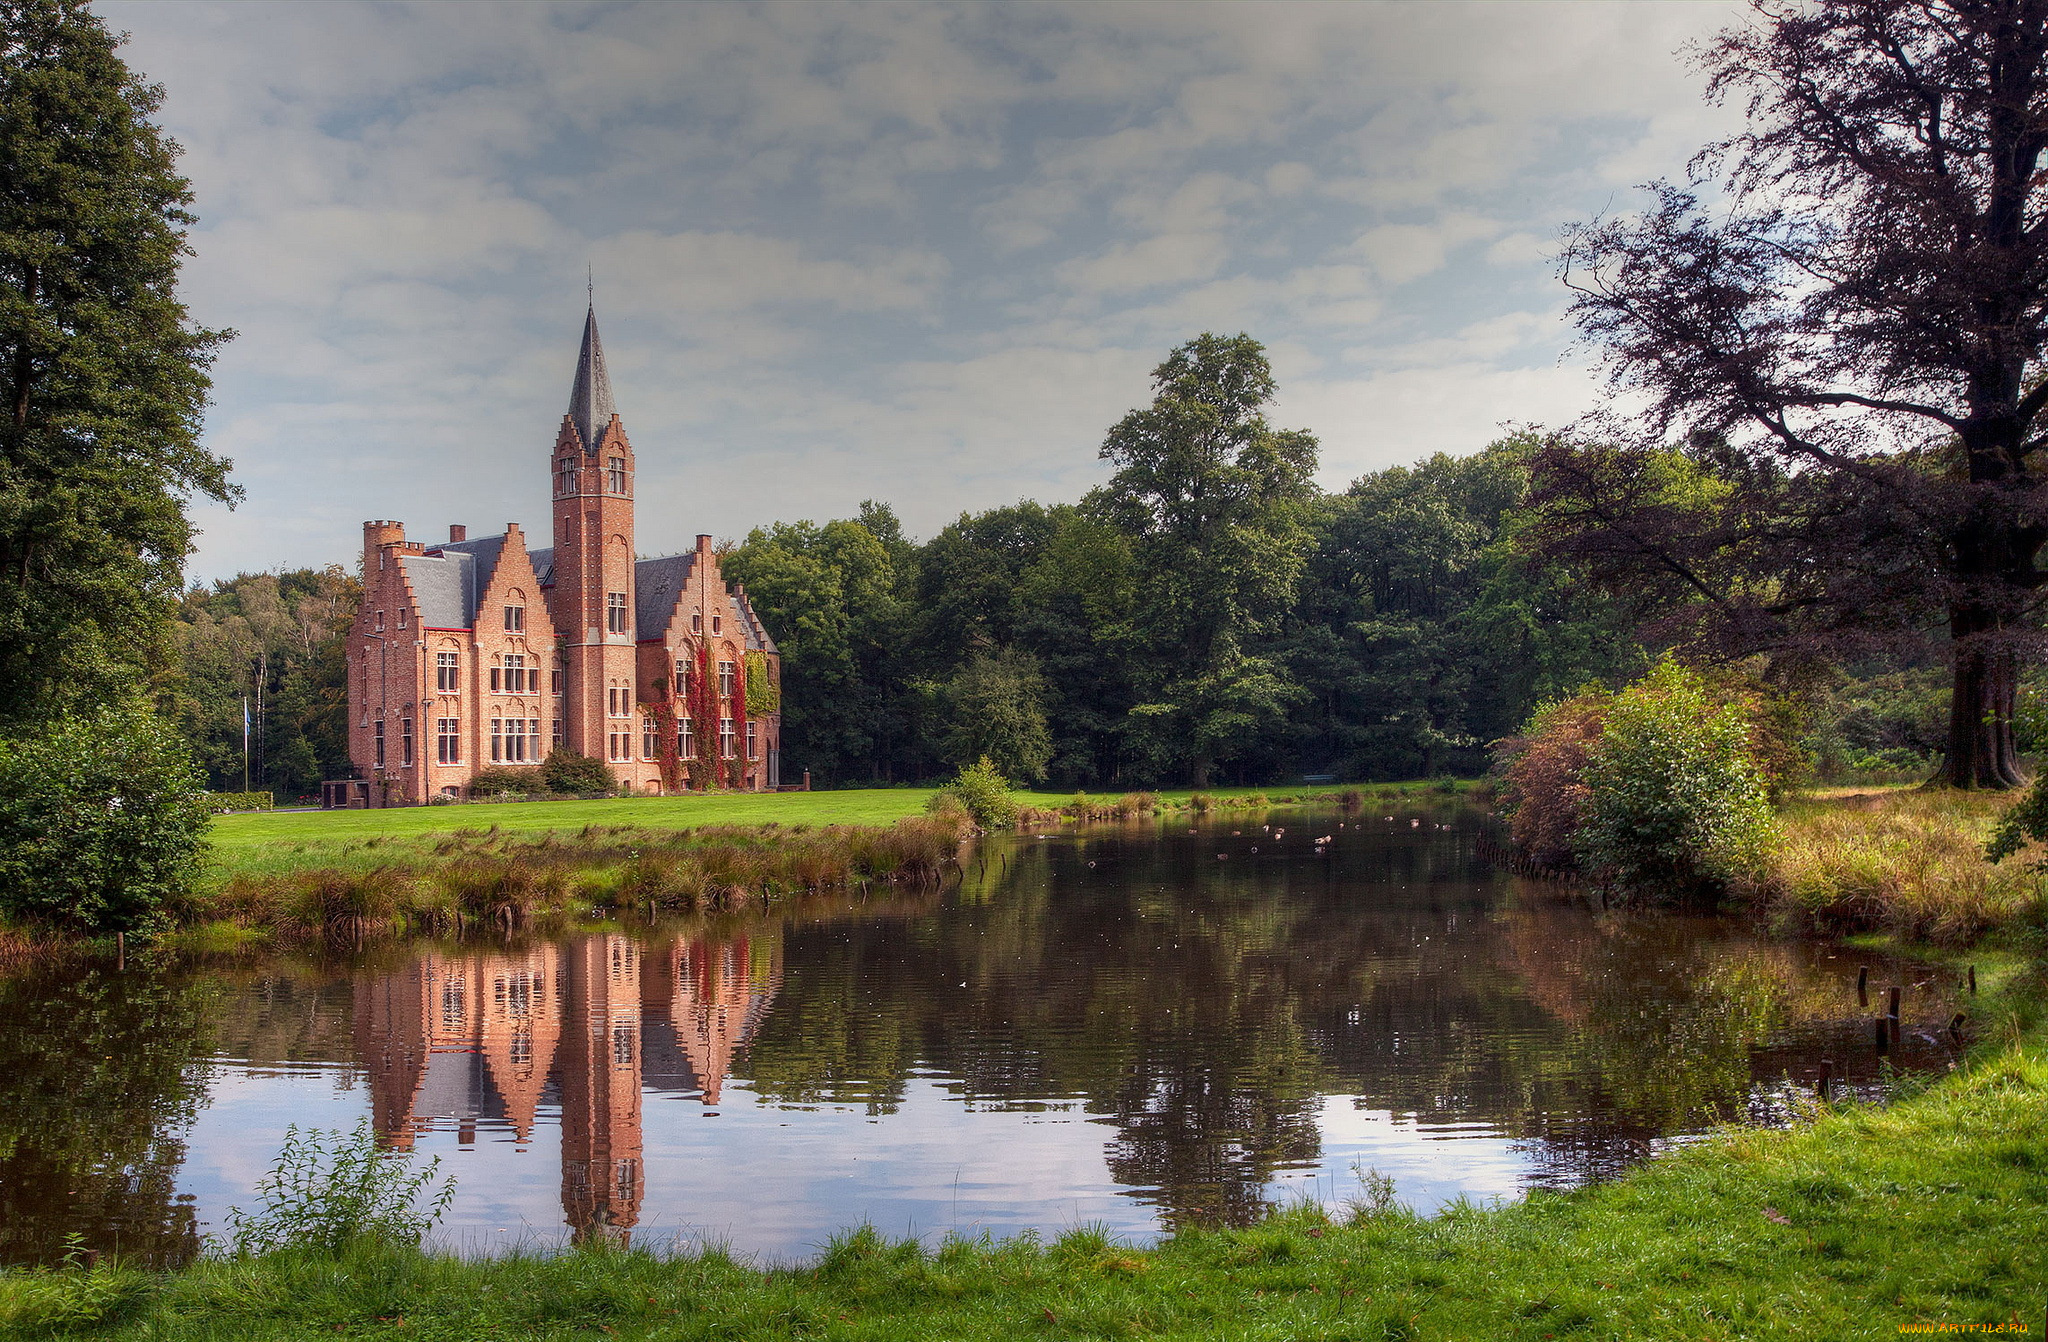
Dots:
pixel 1892 1008
pixel 1863 985
pixel 1820 1087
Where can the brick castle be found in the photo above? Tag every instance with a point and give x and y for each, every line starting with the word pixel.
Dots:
pixel 482 654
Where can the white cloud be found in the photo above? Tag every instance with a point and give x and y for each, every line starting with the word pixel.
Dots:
pixel 923 252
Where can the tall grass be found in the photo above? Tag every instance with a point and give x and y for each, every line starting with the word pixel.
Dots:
pixel 486 878
pixel 1908 863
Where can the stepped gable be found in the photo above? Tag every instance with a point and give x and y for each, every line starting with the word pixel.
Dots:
pixel 448 580
pixel 757 633
pixel 657 587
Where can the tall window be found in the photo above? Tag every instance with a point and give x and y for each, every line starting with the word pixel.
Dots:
pixel 401 617
pixel 566 479
pixel 405 742
pixel 686 739
pixel 696 622
pixel 615 475
pixel 753 740
pixel 726 680
pixel 515 740
pixel 515 619
pixel 726 739
pixel 379 742
pixel 497 679
pixel 650 739
pixel 447 672
pixel 515 673
pixel 615 612
pixel 448 740
pixel 558 680
pixel 682 681
pixel 717 623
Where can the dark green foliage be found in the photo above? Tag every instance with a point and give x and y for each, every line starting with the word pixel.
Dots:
pixel 504 782
pixel 1215 504
pixel 994 709
pixel 834 597
pixel 101 822
pixel 567 771
pixel 280 642
pixel 102 376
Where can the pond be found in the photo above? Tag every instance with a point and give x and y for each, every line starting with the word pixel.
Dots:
pixel 1135 1027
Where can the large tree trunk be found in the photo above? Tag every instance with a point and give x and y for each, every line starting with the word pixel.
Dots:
pixel 1983 695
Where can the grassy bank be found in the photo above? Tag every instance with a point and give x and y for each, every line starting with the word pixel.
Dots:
pixel 1902 861
pixel 1864 1222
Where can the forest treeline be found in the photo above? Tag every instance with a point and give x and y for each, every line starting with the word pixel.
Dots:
pixel 1208 615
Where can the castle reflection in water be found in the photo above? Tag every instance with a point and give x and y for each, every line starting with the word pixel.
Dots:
pixel 587 1024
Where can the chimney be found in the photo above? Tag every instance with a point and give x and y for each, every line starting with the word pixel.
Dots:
pixel 703 545
pixel 457 533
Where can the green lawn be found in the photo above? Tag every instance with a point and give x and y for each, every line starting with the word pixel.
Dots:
pixel 864 806
pixel 851 806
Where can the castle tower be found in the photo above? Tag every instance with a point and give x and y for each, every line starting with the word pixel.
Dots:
pixel 592 601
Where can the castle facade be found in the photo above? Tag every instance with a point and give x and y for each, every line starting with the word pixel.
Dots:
pixel 484 654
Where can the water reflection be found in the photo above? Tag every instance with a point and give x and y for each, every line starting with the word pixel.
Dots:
pixel 1152 1030
pixel 588 1023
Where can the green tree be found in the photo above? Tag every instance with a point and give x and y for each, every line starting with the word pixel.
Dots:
pixel 103 374
pixel 834 594
pixel 1422 632
pixel 1216 504
pixel 995 710
pixel 100 822
pixel 280 641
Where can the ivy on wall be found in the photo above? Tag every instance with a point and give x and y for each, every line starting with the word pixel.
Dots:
pixel 764 696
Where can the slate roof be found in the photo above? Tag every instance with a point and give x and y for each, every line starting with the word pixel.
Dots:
pixel 590 397
pixel 448 580
pixel 657 586
pixel 544 565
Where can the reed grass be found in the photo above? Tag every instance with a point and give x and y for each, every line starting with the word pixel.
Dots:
pixel 1910 863
pixel 489 878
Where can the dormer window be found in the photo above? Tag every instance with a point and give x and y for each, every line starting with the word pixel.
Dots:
pixel 615 475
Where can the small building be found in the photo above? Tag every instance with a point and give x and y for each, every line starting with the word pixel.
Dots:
pixel 487 654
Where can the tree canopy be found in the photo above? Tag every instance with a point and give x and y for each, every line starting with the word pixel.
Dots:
pixel 1837 329
pixel 102 373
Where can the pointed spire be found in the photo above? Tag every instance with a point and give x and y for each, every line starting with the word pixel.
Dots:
pixel 590 400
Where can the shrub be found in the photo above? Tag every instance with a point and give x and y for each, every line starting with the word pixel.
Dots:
pixel 1542 794
pixel 504 782
pixel 221 803
pixel 985 793
pixel 330 1190
pixel 567 771
pixel 101 826
pixel 1674 797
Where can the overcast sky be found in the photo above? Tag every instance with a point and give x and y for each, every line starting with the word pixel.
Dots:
pixel 922 253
